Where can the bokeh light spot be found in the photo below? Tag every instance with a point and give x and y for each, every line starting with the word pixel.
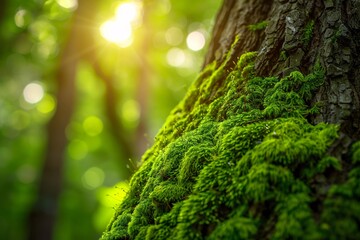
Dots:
pixel 42 30
pixel 47 104
pixel 93 126
pixel 174 36
pixel 45 36
pixel 164 6
pixel 195 40
pixel 33 93
pixel 77 149
pixel 22 18
pixel 176 57
pixel 131 111
pixel 68 4
pixel 47 48
pixel 93 178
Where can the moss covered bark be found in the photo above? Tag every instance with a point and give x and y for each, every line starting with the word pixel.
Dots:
pixel 250 152
pixel 243 165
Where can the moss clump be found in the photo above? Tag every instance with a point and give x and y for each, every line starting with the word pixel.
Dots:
pixel 341 215
pixel 283 56
pixel 238 159
pixel 336 36
pixel 258 26
pixel 308 32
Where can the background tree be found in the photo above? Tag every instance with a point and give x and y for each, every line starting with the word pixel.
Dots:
pixel 265 143
pixel 35 39
pixel 80 45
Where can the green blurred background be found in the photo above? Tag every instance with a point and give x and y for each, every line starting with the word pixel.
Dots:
pixel 146 57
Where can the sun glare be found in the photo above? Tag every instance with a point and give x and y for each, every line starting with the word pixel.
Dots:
pixel 119 29
pixel 128 12
pixel 117 32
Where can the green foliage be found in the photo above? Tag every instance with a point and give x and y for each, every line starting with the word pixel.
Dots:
pixel 238 158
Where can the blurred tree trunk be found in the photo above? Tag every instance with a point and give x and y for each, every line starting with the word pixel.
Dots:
pixel 80 46
pixel 227 165
pixel 89 53
pixel 142 89
pixel 3 9
pixel 43 215
pixel 42 218
pixel 118 131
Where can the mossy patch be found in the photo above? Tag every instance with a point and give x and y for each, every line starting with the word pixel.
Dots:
pixel 308 32
pixel 237 159
pixel 258 26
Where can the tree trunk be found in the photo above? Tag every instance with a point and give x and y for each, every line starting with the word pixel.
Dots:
pixel 265 143
pixel 80 46
pixel 42 218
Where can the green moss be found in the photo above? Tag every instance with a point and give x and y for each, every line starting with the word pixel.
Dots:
pixel 341 215
pixel 283 56
pixel 335 36
pixel 246 60
pixel 258 26
pixel 295 218
pixel 237 159
pixel 355 151
pixel 236 228
pixel 308 32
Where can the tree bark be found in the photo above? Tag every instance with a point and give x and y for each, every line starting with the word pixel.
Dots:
pixel 265 145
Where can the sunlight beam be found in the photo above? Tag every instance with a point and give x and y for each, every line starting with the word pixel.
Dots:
pixel 119 30
pixel 128 12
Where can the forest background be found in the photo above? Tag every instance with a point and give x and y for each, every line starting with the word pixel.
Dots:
pixel 132 62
